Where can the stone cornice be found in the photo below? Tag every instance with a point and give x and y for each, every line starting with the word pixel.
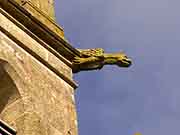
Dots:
pixel 14 36
pixel 45 28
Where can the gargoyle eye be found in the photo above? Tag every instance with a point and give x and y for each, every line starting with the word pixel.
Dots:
pixel 126 57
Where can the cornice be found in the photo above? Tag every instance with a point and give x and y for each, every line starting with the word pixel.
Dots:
pixel 44 44
pixel 41 25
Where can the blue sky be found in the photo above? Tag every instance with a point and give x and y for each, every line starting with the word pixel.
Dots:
pixel 144 98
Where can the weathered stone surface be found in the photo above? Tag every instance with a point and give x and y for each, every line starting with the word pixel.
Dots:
pixel 34 46
pixel 45 6
pixel 45 29
pixel 37 101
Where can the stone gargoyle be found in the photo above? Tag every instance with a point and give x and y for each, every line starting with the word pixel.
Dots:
pixel 92 59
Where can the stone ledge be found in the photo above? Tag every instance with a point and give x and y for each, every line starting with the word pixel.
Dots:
pixel 7 129
pixel 40 29
pixel 33 48
pixel 42 17
pixel 36 38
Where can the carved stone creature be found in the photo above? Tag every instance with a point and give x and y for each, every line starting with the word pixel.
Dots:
pixel 92 59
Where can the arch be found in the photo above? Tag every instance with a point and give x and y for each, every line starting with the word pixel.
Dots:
pixel 10 93
pixel 8 90
pixel 12 72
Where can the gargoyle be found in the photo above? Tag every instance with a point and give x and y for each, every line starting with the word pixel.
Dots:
pixel 92 59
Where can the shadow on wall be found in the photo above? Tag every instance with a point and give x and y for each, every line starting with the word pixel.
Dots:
pixel 8 90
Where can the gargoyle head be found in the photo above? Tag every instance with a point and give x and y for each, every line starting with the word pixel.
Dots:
pixel 123 60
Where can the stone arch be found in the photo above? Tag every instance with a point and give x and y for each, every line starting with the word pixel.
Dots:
pixel 8 89
pixel 11 103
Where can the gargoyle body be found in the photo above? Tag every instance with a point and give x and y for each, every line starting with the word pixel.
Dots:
pixel 92 59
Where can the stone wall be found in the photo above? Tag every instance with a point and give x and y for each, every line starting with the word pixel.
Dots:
pixel 36 85
pixel 45 6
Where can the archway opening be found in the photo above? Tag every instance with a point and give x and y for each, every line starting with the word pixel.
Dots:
pixel 8 90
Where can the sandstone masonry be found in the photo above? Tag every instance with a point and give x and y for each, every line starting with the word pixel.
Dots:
pixel 36 86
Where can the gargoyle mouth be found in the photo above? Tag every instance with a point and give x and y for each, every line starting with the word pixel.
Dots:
pixel 125 63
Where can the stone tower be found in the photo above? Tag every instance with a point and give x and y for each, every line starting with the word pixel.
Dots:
pixel 36 85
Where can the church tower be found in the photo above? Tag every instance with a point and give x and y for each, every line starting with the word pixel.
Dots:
pixel 36 85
